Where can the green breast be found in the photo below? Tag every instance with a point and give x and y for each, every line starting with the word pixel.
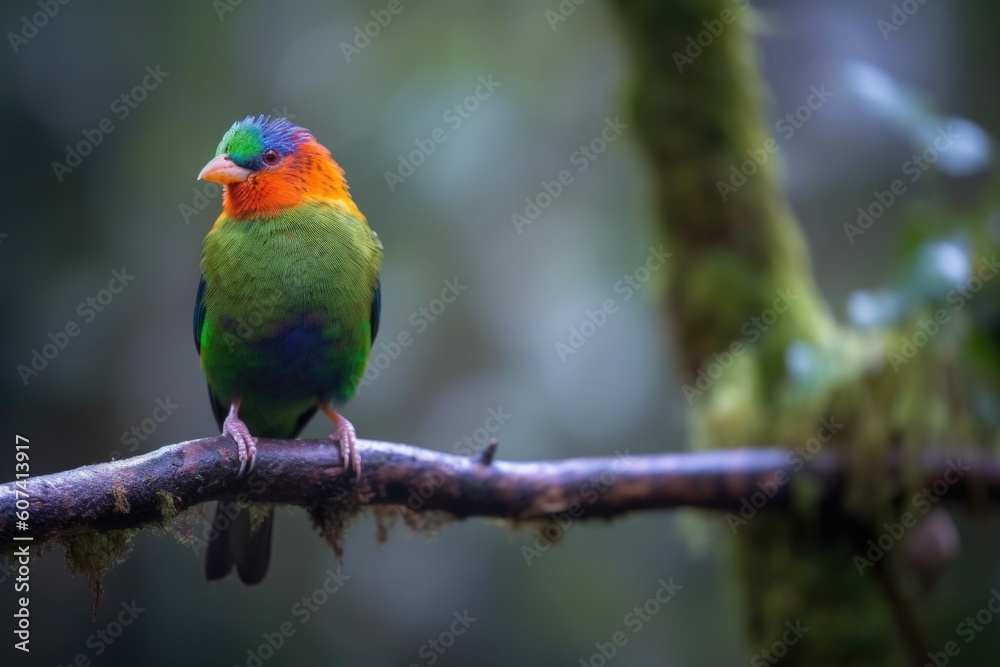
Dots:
pixel 287 310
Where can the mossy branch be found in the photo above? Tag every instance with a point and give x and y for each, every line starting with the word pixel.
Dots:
pixel 149 490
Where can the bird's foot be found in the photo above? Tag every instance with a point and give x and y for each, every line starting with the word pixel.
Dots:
pixel 246 444
pixel 343 432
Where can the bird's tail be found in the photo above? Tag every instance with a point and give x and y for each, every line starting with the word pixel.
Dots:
pixel 238 544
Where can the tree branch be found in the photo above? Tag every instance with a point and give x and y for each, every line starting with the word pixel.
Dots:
pixel 152 488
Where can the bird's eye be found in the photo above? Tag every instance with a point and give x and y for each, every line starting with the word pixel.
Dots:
pixel 270 157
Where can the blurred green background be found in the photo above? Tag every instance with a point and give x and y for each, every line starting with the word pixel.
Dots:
pixel 132 203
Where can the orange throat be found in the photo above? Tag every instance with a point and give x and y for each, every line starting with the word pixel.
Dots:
pixel 307 174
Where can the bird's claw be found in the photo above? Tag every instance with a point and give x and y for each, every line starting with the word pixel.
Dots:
pixel 246 444
pixel 344 434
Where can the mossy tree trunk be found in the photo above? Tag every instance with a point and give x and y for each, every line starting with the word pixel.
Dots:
pixel 738 254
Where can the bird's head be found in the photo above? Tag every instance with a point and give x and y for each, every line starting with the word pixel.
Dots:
pixel 268 165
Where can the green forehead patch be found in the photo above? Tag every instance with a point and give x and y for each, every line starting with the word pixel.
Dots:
pixel 242 143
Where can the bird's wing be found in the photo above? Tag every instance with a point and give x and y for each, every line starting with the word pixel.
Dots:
pixel 376 314
pixel 218 409
pixel 199 314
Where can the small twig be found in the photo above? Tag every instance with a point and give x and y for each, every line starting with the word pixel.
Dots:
pixel 485 457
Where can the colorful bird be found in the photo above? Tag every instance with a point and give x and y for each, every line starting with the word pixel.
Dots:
pixel 287 309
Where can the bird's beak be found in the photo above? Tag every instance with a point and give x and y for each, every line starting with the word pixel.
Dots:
pixel 222 170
